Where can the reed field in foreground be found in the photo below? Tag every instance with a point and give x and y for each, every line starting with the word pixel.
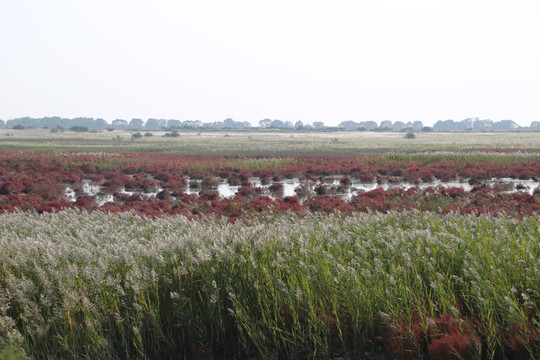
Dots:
pixel 398 285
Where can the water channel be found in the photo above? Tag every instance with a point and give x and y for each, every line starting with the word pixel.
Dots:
pixel 295 187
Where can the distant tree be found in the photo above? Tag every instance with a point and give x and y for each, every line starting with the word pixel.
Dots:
pixel 19 127
pixel 136 123
pixel 155 124
pixel 265 123
pixel 348 125
pixel 318 125
pixel 192 124
pixel 398 126
pixel 415 126
pixel 81 121
pixel 148 134
pixel 369 125
pixel 136 135
pixel 2 123
pixel 385 125
pixel 299 125
pixel 52 122
pixel 446 125
pixel 174 124
pixel 100 124
pixel 277 124
pixel 467 124
pixel 229 123
pixel 505 125
pixel 482 125
pixel 214 125
pixel 119 124
pixel 26 122
pixel 427 129
pixel 56 121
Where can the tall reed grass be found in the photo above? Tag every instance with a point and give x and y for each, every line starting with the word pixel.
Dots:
pixel 95 285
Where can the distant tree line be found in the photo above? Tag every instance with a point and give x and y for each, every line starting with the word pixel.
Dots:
pixel 469 124
pixel 134 124
pixel 84 123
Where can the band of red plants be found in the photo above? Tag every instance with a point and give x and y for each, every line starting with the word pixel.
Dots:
pixel 38 181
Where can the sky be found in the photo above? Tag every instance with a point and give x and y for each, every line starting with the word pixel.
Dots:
pixel 306 60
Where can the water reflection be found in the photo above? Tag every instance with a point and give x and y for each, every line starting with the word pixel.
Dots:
pixel 295 187
pixel 291 187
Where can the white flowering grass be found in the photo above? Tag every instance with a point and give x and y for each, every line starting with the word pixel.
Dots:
pixel 76 284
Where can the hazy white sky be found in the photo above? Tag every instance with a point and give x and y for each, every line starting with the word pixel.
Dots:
pixel 292 60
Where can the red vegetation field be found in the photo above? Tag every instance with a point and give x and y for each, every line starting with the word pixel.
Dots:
pixel 183 184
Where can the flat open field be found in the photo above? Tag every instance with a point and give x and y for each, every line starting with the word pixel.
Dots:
pixel 269 245
pixel 267 143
